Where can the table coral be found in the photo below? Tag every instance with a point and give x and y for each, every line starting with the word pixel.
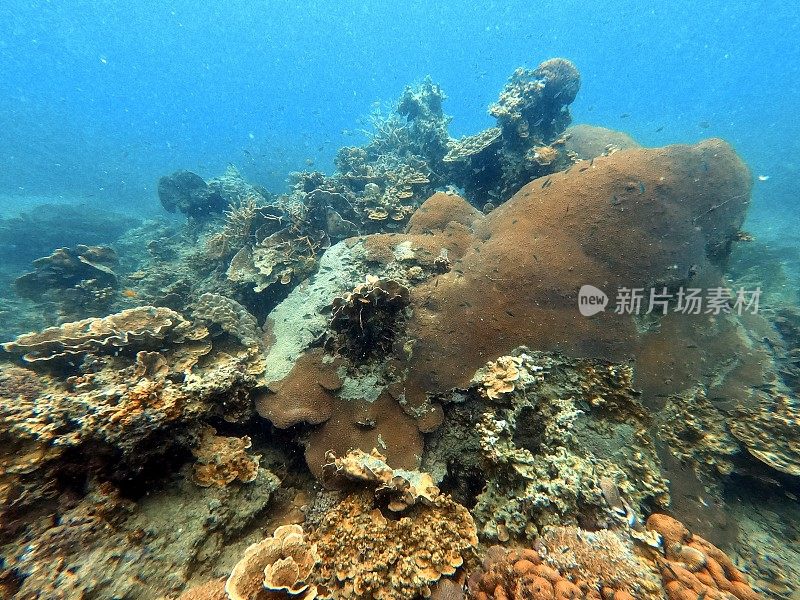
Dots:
pixel 366 555
pixel 771 431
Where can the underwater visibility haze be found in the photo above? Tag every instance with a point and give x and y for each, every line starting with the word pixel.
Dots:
pixel 391 301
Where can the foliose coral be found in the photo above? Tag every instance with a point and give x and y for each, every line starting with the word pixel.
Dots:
pixel 136 328
pixel 364 554
pixel 281 566
pixel 401 487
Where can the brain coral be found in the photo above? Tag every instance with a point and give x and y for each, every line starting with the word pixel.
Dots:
pixel 365 555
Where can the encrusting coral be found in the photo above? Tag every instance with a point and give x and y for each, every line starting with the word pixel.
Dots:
pixel 555 430
pixel 222 460
pixel 403 488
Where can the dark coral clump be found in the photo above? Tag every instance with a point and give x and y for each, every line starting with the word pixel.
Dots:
pixel 188 193
pixel 364 322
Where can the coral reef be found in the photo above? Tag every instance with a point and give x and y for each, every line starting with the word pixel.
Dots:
pixel 281 566
pixel 364 554
pixel 532 113
pixel 697 433
pixel 106 546
pixel 428 362
pixel 291 400
pixel 188 193
pixel 553 434
pixel 222 460
pixel 517 282
pixel 598 560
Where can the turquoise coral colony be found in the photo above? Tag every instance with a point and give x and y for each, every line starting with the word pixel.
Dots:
pixel 378 385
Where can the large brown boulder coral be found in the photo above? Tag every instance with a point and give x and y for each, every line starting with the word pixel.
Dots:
pixel 637 218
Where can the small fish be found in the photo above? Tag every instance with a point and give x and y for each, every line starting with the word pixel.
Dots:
pixel 624 115
pixel 704 124
pixel 615 201
pixel 641 188
pixel 591 162
pixel 659 129
pixel 129 293
pixel 547 182
pixel 763 177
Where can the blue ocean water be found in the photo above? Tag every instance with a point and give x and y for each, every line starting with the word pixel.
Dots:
pixel 99 98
